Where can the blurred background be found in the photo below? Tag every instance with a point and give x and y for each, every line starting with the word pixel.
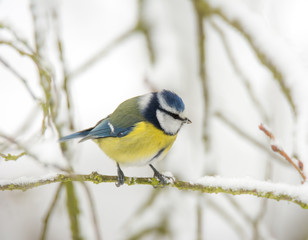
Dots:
pixel 64 65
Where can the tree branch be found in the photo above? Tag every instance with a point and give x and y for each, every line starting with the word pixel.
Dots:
pixel 235 186
pixel 207 9
pixel 201 37
pixel 278 149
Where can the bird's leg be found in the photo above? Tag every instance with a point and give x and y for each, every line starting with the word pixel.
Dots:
pixel 161 178
pixel 120 176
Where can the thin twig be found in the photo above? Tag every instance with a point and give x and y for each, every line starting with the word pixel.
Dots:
pixel 243 134
pixel 263 207
pixel 240 230
pixel 18 49
pixel 200 222
pixel 144 28
pixel 206 9
pixel 66 79
pixel 160 231
pixel 50 210
pixel 239 209
pixel 17 37
pixel 140 26
pixel 238 71
pixel 202 69
pixel 100 54
pixel 279 150
pixel 93 211
pixel 21 78
pixel 30 154
pixel 73 210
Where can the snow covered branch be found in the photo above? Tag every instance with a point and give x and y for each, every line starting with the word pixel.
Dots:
pixel 208 184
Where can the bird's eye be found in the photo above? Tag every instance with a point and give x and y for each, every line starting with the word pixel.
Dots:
pixel 174 115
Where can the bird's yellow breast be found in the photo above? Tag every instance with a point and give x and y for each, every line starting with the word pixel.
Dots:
pixel 140 146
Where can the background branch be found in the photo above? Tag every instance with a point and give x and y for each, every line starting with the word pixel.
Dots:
pixel 278 149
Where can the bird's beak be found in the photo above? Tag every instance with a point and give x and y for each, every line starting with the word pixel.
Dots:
pixel 186 120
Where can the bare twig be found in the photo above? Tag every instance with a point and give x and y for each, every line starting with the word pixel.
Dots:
pixel 18 49
pixel 93 211
pixel 278 149
pixel 238 71
pixel 263 58
pixel 206 9
pixel 200 223
pixel 50 210
pixel 143 27
pixel 73 210
pixel 240 230
pixel 140 26
pixel 30 154
pixel 239 208
pixel 160 231
pixel 21 78
pixel 257 221
pixel 16 37
pixel 100 54
pixel 243 134
pixel 201 16
pixel 66 79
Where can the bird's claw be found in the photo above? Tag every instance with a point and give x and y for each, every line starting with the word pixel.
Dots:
pixel 121 177
pixel 163 180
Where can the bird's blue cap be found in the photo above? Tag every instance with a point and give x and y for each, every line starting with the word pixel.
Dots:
pixel 173 100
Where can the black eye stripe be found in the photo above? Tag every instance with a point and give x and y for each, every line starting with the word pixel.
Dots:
pixel 175 116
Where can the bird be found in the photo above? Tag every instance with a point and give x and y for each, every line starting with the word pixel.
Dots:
pixel 140 131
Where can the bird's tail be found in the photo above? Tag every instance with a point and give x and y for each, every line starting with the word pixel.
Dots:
pixel 80 134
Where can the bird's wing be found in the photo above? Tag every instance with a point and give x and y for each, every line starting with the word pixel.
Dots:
pixel 127 114
pixel 121 122
pixel 105 128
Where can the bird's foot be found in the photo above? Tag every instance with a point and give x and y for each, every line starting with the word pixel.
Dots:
pixel 121 177
pixel 163 180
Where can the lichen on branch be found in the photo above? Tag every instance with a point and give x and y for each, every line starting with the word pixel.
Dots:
pixel 208 184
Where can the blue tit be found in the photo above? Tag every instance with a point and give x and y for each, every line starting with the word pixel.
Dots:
pixel 139 132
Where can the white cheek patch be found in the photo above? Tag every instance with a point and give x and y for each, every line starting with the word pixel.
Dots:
pixel 168 123
pixel 144 101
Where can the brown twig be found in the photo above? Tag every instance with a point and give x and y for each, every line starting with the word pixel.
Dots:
pixel 276 148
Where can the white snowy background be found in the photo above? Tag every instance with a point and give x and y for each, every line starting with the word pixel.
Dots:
pixel 279 29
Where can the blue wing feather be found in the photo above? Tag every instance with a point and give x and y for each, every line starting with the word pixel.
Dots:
pixel 80 134
pixel 106 129
pixel 103 129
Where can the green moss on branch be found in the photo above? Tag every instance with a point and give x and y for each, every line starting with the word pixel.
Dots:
pixel 181 185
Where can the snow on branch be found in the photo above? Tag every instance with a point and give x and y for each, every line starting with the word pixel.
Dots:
pixel 278 149
pixel 208 184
